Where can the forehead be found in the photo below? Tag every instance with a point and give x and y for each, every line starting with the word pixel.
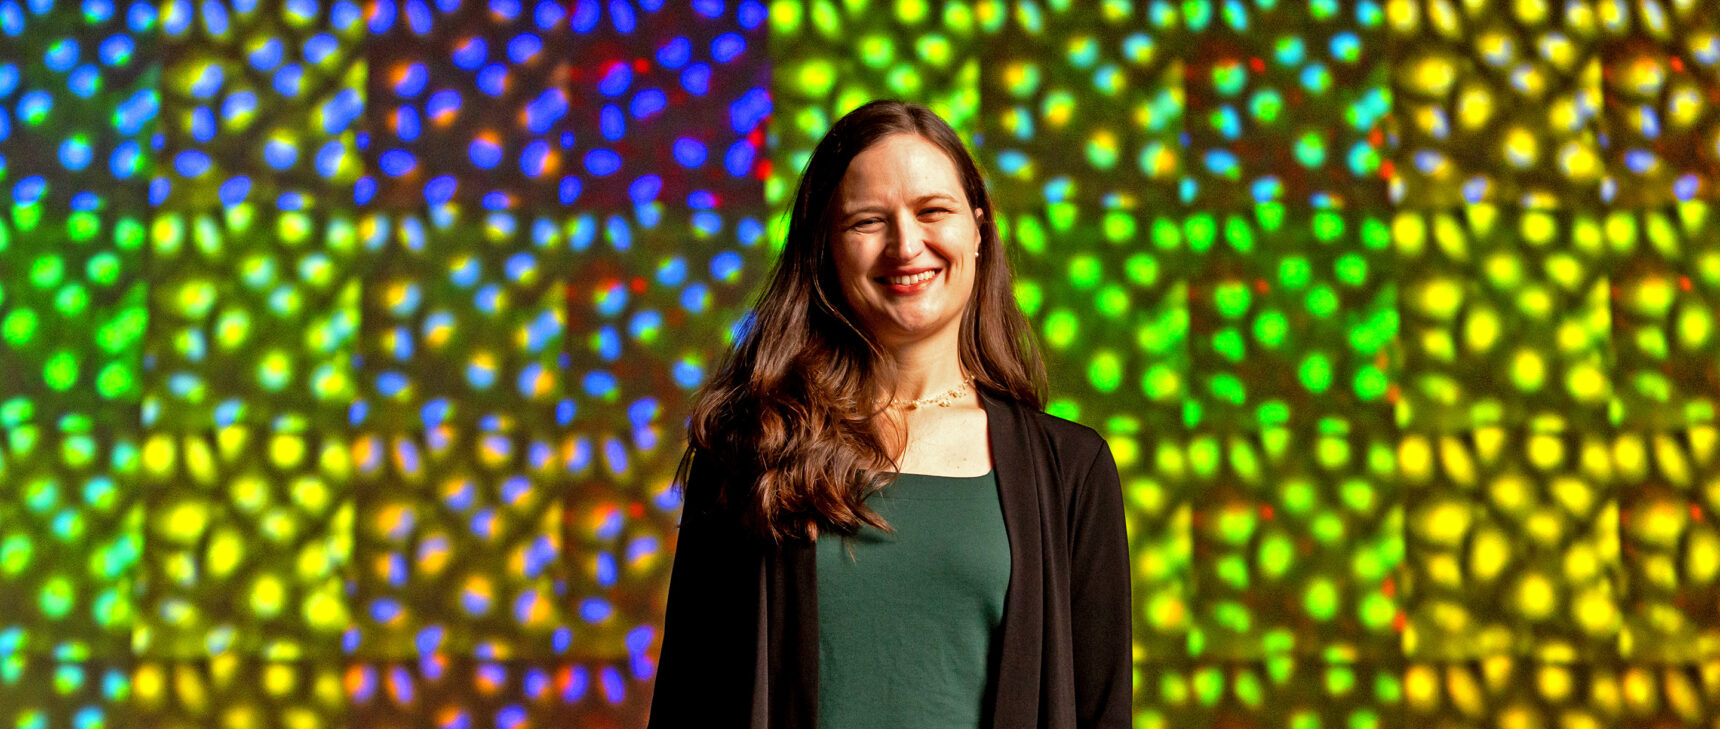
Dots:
pixel 906 164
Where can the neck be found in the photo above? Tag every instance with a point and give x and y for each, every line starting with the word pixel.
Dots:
pixel 926 369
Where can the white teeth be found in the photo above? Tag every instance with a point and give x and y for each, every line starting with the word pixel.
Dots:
pixel 910 280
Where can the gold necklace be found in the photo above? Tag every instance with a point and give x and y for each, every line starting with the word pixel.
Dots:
pixel 942 400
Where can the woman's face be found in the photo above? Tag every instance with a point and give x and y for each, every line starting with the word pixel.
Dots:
pixel 904 240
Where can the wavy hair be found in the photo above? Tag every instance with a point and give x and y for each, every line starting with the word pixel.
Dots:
pixel 792 414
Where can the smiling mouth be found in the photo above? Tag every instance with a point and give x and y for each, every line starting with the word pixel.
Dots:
pixel 908 280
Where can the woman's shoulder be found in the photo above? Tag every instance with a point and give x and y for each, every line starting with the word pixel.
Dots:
pixel 1073 442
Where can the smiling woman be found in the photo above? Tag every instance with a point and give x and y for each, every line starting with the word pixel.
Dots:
pixel 882 527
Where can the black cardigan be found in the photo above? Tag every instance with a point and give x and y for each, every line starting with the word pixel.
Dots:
pixel 740 636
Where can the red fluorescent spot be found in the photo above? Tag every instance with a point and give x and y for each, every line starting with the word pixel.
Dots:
pixel 1398 621
pixel 1256 65
pixel 640 65
pixel 1683 283
pixel 763 170
pixel 1388 587
pixel 1266 511
pixel 1260 286
pixel 1677 63
pixel 638 285
pixel 635 510
pixel 1387 168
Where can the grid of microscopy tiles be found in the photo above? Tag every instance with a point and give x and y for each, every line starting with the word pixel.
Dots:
pixel 346 346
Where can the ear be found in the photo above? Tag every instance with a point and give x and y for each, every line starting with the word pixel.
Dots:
pixel 978 215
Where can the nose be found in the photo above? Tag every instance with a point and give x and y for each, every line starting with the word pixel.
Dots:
pixel 906 238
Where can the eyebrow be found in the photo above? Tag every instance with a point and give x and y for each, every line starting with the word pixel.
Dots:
pixel 921 200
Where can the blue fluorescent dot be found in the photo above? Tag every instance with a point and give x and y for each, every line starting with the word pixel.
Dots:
pixel 751 108
pixel 215 17
pixel 208 82
pixel 612 123
pixel 202 124
pixel 418 17
pixel 345 15
pixel 319 47
pixel 696 79
pixel 707 223
pixel 8 78
pixel 412 82
pixel 523 47
pixel 328 158
pixel 602 162
pixel 687 375
pixel 615 80
pixel 749 231
pixel 701 200
pixel 645 189
pixel 708 8
pixel 125 162
pixel 534 158
pixel 548 14
pixel 485 153
pixel 675 53
pixel 739 159
pixel 397 162
pixel 391 383
pixel 695 298
pixel 191 163
pixel 505 9
pixel 1686 187
pixel 280 154
pixel 585 15
pixel 75 154
pixel 727 47
pixel 406 123
pixel 614 688
pixel 341 110
pixel 84 80
pixel 1639 160
pixel 608 344
pixel 648 103
pixel 446 101
pixel 606 571
pixel 568 191
pixel 140 16
pixel 545 110
pixel 441 189
pixel 266 56
pixel 493 80
pixel 381 17
pixel 471 54
pixel 599 383
pixel 97 11
pixel 689 152
pixel 672 271
pixel 290 80
pixel 751 14
pixel 234 191
pixel 621 15
pixel 61 55
pixel 725 265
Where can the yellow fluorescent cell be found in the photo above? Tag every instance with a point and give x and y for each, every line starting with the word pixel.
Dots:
pixel 1444 523
pixel 1581 564
pixel 279 680
pixel 190 689
pixel 1528 370
pixel 1536 597
pixel 1519 716
pixel 325 611
pixel 1702 557
pixel 184 522
pixel 1545 526
pixel 1421 688
pixel 1474 107
pixel 1434 75
pixel 1463 690
pixel 1520 148
pixel 1578 162
pixel 1554 683
pixel 1489 553
pixel 1640 693
pixel 1586 382
pixel 1510 493
pixel 268 596
pixel 313 562
pixel 225 553
pixel 287 450
pixel 1480 331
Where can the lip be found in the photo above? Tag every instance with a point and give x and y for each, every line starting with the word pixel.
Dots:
pixel 910 289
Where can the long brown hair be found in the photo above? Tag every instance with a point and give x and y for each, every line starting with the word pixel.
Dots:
pixel 791 414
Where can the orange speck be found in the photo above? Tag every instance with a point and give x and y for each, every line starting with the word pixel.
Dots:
pixel 1683 283
pixel 1256 65
pixel 638 285
pixel 1398 621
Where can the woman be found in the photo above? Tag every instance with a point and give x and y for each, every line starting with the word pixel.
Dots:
pixel 881 526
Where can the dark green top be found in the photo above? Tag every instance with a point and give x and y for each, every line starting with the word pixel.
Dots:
pixel 906 624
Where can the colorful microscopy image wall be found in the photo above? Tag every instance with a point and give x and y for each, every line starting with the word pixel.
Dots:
pixel 346 347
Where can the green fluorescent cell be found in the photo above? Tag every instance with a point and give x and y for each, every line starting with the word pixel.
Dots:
pixel 1029 296
pixel 61 371
pixel 1161 383
pixel 1228 77
pixel 1351 269
pixel 1322 301
pixel 1233 571
pixel 1232 299
pixel 1229 388
pixel 19 327
pixel 1142 269
pixel 1321 599
pixel 1328 226
pixel 1085 271
pixel 57 597
pixel 1270 328
pixel 1275 555
pixel 47 272
pixel 934 49
pixel 1112 301
pixel 1228 343
pixel 1031 234
pixel 1105 371
pixel 877 51
pixel 1238 234
pixel 1167 235
pixel 1294 272
pixel 1061 327
pixel 1200 231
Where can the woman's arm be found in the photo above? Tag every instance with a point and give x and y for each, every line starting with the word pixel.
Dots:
pixel 1099 593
